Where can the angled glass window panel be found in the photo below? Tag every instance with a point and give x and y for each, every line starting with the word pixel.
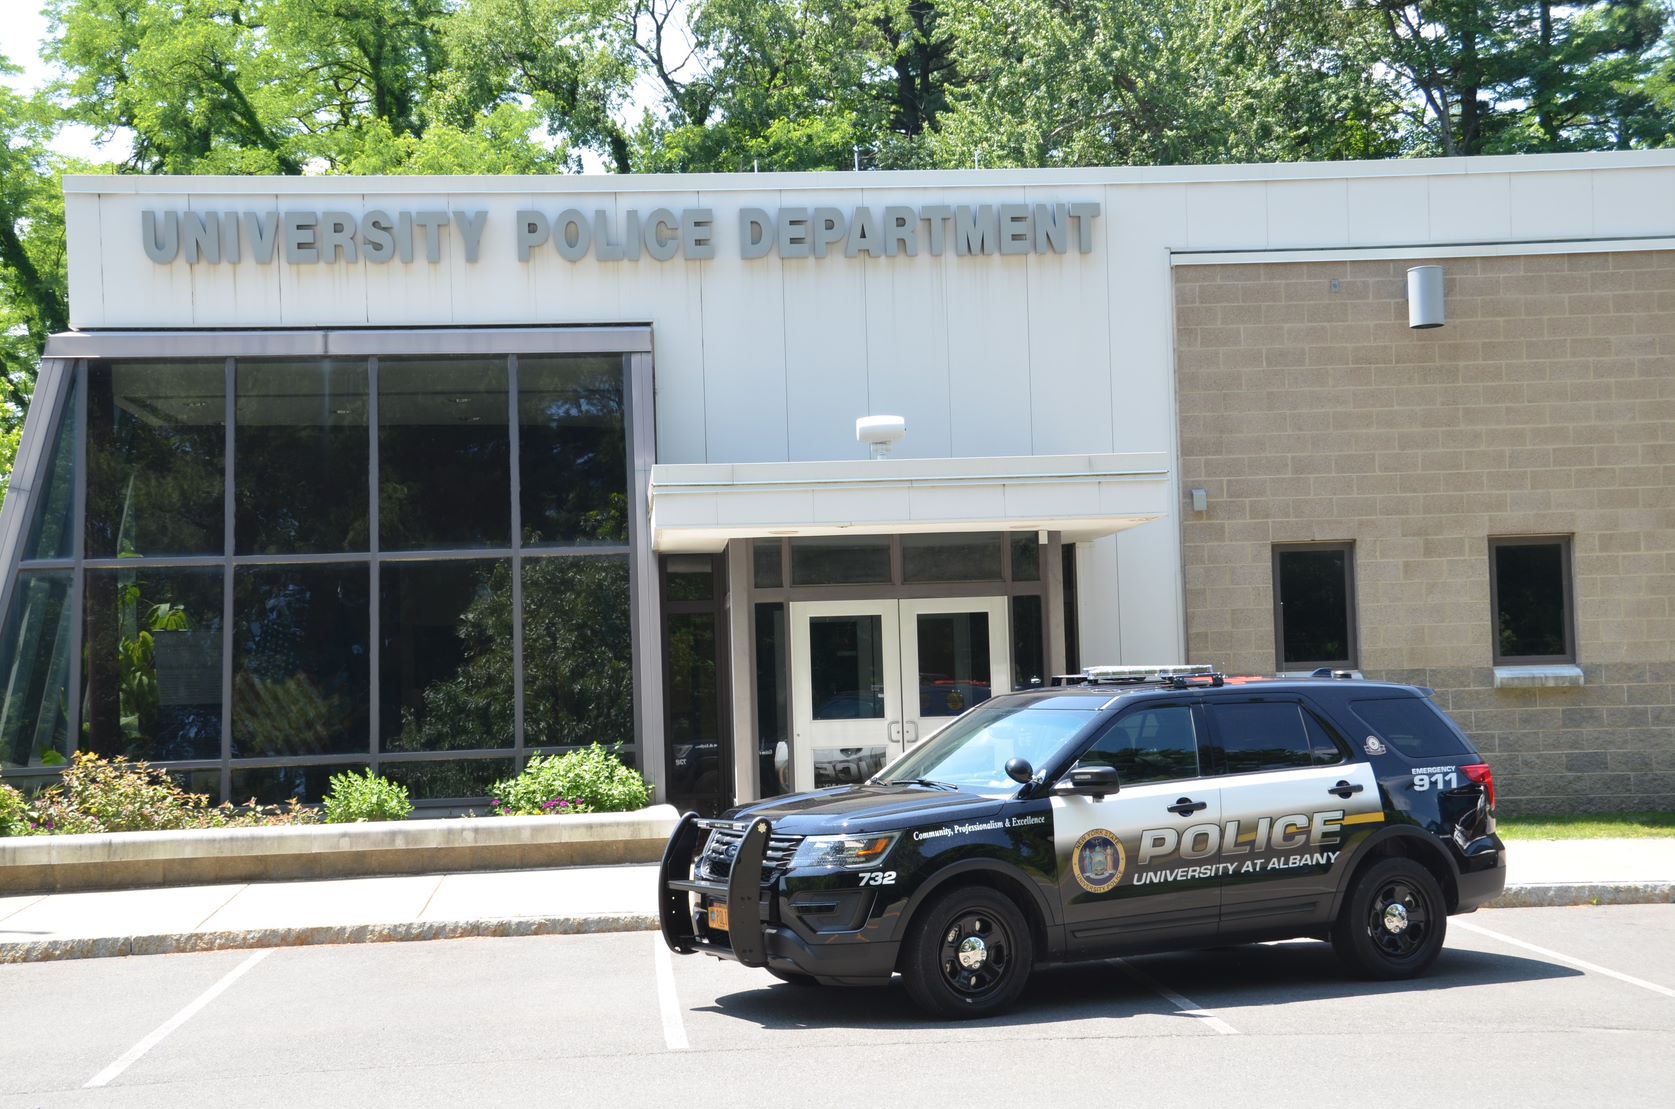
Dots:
pixel 444 454
pixel 151 663
pixel 300 660
pixel 276 785
pixel 934 558
pixel 445 656
pixel 300 456
pixel 156 458
pixel 35 669
pixel 577 652
pixel 840 560
pixel 573 456
pixel 447 779
pixel 50 532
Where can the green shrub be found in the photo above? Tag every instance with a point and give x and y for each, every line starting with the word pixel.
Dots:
pixel 114 795
pixel 14 813
pixel 590 780
pixel 353 799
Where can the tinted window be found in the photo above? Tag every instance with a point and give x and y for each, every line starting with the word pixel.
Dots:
pixel 50 535
pixel 1312 595
pixel 1532 618
pixel 572 450
pixel 1151 745
pixel 1261 735
pixel 1324 740
pixel 445 662
pixel 974 557
pixel 577 652
pixel 840 560
pixel 1413 726
pixel 444 454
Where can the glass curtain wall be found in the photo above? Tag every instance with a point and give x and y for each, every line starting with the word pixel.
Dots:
pixel 286 568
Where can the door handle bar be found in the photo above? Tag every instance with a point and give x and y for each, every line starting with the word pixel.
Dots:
pixel 1186 806
pixel 1344 789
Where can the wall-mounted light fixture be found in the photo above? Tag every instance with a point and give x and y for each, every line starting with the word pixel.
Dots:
pixel 880 433
pixel 1424 297
pixel 1200 500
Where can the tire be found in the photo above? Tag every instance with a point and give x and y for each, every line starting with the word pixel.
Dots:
pixel 793 977
pixel 1393 922
pixel 968 955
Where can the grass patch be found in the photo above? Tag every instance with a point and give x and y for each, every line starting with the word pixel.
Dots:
pixel 1627 825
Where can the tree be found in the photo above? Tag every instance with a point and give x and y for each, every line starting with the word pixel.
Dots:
pixel 1516 76
pixel 1091 82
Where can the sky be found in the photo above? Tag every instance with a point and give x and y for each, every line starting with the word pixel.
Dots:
pixel 22 27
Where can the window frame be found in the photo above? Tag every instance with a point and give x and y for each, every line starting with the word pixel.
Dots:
pixel 1218 748
pixel 1567 575
pixel 1353 625
pixel 1202 747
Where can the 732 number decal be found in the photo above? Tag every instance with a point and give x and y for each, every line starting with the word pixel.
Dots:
pixel 879 878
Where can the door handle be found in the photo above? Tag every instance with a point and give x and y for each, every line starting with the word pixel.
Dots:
pixel 1344 789
pixel 910 731
pixel 895 731
pixel 1186 806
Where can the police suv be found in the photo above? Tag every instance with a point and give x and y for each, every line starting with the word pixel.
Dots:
pixel 1138 809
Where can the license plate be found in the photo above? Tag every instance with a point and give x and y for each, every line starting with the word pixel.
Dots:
pixel 718 917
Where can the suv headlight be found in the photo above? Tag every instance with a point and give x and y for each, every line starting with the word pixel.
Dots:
pixel 843 852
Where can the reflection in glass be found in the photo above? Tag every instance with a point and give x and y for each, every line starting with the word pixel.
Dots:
pixel 156 454
pixel 275 785
pixel 697 768
pixel 1029 649
pixel 840 560
pixel 689 577
pixel 573 481
pixel 839 766
pixel 51 533
pixel 35 659
pixel 1026 556
pixel 768 563
pixel 773 707
pixel 578 666
pixel 449 778
pixel 932 558
pixel 1314 605
pixel 846 667
pixel 953 662
pixel 300 457
pixel 445 656
pixel 444 454
pixel 300 662
pixel 151 677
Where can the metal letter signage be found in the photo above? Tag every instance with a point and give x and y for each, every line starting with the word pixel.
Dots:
pixel 378 237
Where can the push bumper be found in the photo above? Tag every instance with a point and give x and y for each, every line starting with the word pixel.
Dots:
pixel 753 936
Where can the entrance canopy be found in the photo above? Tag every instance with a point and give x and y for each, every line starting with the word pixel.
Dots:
pixel 699 507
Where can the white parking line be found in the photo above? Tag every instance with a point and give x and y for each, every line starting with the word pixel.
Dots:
pixel 674 1029
pixel 133 1054
pixel 1187 1006
pixel 1580 964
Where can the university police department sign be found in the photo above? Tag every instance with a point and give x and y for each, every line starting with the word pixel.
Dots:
pixel 378 237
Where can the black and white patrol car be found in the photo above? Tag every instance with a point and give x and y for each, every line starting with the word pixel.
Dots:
pixel 1132 812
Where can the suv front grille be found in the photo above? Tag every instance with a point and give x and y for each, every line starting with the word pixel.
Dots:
pixel 717 860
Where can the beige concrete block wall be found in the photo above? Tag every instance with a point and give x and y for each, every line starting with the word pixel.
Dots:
pixel 1309 411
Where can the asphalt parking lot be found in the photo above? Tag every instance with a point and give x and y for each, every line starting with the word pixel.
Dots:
pixel 1525 1006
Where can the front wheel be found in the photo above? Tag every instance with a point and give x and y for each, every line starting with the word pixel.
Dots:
pixel 1393 921
pixel 968 955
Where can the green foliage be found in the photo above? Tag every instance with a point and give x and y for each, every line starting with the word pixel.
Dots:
pixel 14 812
pixel 353 799
pixel 115 795
pixel 589 780
pixel 1627 825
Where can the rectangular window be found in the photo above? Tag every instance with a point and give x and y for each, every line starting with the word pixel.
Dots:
pixel 1314 606
pixel 943 558
pixel 1532 600
pixel 572 451
pixel 444 454
pixel 1261 735
pixel 840 560
pixel 773 705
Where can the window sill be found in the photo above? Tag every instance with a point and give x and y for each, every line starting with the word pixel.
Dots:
pixel 1549 676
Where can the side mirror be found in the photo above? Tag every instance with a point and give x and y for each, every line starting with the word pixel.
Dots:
pixel 1093 781
pixel 1019 770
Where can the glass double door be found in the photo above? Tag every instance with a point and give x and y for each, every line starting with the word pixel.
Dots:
pixel 869 679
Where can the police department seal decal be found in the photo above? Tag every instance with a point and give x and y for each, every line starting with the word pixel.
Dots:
pixel 1374 747
pixel 1098 861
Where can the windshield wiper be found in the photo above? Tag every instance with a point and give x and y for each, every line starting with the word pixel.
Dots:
pixel 926 782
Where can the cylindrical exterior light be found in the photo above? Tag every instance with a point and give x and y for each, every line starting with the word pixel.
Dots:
pixel 1424 297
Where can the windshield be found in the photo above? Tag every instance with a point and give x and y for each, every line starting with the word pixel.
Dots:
pixel 972 752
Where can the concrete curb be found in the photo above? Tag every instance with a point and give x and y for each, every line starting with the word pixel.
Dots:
pixel 1584 893
pixel 103 947
pixel 106 947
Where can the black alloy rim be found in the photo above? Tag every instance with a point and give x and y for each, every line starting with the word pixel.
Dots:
pixel 1412 902
pixel 973 983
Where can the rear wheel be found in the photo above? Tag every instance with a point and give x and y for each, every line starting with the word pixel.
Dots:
pixel 1393 921
pixel 969 954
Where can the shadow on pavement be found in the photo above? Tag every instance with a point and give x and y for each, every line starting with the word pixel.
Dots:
pixel 1228 977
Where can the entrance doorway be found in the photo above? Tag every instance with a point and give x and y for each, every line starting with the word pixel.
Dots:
pixel 872 678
